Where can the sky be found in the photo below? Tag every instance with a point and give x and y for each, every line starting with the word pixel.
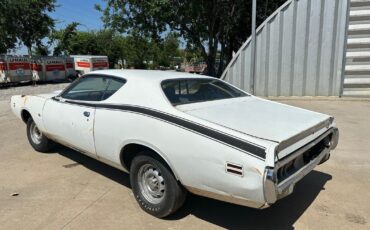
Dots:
pixel 81 11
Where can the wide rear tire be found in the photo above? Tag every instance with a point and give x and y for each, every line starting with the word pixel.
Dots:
pixel 37 140
pixel 155 188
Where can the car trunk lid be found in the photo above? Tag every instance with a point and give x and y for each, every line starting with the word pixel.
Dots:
pixel 257 117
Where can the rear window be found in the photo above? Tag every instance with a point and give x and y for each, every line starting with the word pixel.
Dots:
pixel 184 91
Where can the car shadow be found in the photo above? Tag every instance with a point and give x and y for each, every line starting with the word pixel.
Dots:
pixel 282 215
pixel 94 165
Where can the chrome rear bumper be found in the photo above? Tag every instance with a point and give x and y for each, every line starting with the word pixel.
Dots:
pixel 286 187
pixel 274 190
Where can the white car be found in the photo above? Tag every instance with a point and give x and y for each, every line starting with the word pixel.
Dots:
pixel 177 132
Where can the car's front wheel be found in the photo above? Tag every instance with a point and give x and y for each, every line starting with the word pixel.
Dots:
pixel 155 188
pixel 37 140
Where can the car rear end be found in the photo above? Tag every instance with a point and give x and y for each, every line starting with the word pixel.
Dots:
pixel 292 164
pixel 296 139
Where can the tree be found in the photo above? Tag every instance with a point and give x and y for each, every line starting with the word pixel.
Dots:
pixel 111 44
pixel 104 42
pixel 26 21
pixel 8 34
pixel 63 39
pixel 168 50
pixel 41 50
pixel 34 23
pixel 140 51
pixel 212 26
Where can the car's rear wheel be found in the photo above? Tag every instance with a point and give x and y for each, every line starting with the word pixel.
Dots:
pixel 37 140
pixel 155 188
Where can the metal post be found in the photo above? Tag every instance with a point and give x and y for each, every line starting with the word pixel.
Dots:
pixel 253 46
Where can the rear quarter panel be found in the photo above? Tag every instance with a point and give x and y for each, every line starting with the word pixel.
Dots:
pixel 197 161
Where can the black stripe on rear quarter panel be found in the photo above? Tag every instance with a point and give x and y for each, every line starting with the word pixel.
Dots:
pixel 232 141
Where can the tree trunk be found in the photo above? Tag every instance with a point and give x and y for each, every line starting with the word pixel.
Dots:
pixel 211 58
pixel 220 68
pixel 29 48
pixel 210 69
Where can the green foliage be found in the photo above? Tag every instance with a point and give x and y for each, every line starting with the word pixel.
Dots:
pixel 169 50
pixel 145 52
pixel 216 28
pixel 137 50
pixel 26 21
pixel 63 39
pixel 8 35
pixel 71 41
pixel 34 24
pixel 41 50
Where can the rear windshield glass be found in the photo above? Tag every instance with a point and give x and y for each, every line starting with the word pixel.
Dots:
pixel 184 91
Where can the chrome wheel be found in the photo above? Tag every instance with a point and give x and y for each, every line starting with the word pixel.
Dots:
pixel 36 135
pixel 151 183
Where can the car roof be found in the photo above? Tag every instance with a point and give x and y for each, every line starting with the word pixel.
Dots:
pixel 147 75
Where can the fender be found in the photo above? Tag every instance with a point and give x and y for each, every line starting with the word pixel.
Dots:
pixel 152 147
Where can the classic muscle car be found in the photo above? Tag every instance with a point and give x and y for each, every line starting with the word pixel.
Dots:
pixel 176 133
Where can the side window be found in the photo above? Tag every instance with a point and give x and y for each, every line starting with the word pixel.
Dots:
pixel 93 88
pixel 114 86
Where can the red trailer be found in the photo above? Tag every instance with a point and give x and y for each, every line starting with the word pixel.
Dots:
pixel 15 69
pixel 49 68
pixel 88 63
pixel 3 68
pixel 70 68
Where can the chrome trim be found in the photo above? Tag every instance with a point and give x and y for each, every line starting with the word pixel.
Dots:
pixel 334 139
pixel 293 179
pixel 284 144
pixel 298 152
pixel 327 156
pixel 274 191
pixel 269 186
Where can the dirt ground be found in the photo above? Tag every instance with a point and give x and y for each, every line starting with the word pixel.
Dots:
pixel 67 190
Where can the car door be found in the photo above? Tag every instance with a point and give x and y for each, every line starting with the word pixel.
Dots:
pixel 69 118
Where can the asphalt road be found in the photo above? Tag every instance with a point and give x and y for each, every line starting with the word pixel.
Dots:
pixel 67 190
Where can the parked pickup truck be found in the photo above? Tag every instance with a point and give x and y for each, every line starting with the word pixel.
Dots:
pixel 176 133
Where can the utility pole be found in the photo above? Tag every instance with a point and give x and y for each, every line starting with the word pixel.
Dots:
pixel 253 46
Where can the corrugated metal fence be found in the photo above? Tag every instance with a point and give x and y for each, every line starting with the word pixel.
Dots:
pixel 357 75
pixel 300 51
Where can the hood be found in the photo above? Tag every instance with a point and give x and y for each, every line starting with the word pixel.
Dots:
pixel 256 117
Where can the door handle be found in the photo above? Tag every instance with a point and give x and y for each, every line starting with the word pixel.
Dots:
pixel 87 114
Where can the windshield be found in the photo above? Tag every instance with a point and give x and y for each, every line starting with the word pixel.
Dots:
pixel 184 91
